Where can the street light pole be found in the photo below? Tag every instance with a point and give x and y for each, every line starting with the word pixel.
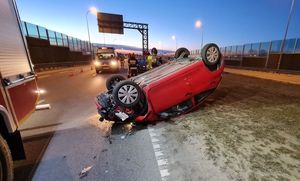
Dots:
pixel 202 39
pixel 92 10
pixel 198 25
pixel 88 30
pixel 285 34
pixel 174 38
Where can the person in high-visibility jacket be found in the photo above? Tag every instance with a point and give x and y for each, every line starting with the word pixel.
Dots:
pixel 151 59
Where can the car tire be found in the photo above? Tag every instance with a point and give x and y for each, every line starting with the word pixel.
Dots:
pixel 127 94
pixel 182 52
pixel 6 163
pixel 112 81
pixel 210 54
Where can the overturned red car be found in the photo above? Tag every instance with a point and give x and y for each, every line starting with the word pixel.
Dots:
pixel 166 91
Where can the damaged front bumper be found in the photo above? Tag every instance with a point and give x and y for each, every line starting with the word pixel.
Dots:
pixel 109 111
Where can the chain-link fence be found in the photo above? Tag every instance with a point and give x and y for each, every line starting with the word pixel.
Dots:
pixel 262 49
pixel 274 55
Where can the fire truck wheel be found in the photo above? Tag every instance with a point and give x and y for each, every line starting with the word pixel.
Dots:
pixel 6 163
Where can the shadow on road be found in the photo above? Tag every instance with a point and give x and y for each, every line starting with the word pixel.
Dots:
pixel 35 147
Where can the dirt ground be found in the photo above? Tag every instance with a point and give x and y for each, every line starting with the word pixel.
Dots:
pixel 249 129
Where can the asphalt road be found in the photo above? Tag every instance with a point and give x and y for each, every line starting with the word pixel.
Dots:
pixel 247 130
pixel 64 140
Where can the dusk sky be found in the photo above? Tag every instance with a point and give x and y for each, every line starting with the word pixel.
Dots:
pixel 229 22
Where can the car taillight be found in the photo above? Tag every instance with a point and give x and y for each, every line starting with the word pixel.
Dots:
pixel 97 104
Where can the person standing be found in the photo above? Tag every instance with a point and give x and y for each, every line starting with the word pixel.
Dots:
pixel 151 59
pixel 132 65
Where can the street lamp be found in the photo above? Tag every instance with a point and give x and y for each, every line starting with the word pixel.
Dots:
pixel 198 25
pixel 174 38
pixel 93 10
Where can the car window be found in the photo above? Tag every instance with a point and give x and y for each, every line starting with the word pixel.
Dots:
pixel 105 56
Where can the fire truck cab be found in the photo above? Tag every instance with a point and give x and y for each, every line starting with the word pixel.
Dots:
pixel 18 88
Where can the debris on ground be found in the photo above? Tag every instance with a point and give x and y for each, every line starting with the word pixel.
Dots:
pixel 84 172
pixel 104 150
pixel 42 107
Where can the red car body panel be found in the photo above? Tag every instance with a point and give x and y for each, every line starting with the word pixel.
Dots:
pixel 179 86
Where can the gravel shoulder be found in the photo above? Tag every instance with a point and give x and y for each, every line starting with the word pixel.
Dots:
pixel 249 129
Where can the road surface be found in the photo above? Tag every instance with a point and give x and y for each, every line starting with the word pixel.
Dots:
pixel 68 137
pixel 247 130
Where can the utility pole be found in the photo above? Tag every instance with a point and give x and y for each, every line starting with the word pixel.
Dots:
pixel 285 34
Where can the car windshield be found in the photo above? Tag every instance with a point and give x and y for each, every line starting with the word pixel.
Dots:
pixel 105 56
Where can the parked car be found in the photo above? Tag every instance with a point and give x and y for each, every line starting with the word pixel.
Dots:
pixel 107 60
pixel 166 91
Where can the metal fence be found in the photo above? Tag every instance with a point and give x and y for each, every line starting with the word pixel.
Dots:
pixel 55 38
pixel 261 49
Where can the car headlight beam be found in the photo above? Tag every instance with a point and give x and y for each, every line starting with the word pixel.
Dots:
pixel 113 63
pixel 96 63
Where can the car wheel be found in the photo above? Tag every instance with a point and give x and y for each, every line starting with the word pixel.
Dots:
pixel 127 94
pixel 210 54
pixel 113 81
pixel 6 163
pixel 182 52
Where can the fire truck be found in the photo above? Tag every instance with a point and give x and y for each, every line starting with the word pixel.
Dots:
pixel 18 88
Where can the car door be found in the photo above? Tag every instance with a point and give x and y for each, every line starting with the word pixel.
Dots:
pixel 170 91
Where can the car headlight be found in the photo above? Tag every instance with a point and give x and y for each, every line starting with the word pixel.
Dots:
pixel 113 63
pixel 96 63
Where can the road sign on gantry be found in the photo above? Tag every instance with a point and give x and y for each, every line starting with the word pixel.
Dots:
pixel 110 23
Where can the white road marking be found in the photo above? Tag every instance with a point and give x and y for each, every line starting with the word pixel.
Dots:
pixel 156 146
pixel 161 161
pixel 164 173
pixel 158 153
pixel 154 140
